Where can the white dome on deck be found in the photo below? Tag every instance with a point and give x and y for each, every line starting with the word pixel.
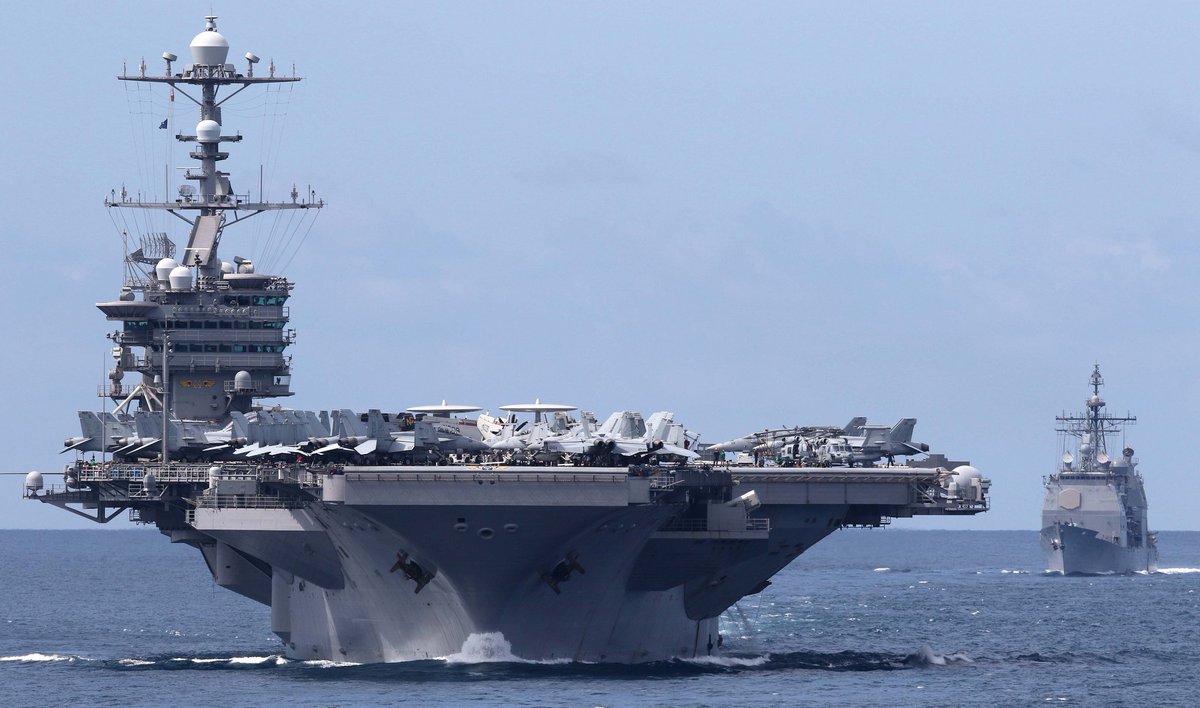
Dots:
pixel 181 278
pixel 164 268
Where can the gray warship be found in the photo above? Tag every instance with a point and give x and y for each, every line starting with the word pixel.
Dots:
pixel 377 536
pixel 1094 515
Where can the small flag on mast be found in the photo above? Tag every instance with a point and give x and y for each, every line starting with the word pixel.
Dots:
pixel 163 125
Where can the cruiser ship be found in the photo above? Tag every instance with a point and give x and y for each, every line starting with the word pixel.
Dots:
pixel 1094 515
pixel 377 536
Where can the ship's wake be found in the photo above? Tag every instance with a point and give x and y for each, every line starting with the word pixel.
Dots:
pixel 489 656
pixel 490 659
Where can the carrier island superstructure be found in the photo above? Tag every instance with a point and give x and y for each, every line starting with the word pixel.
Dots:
pixel 1094 515
pixel 394 536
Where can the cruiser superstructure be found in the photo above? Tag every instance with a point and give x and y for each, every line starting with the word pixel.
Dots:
pixel 383 536
pixel 1094 515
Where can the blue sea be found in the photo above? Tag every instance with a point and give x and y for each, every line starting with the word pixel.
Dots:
pixel 867 617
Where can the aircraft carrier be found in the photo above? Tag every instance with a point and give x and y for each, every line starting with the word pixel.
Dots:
pixel 378 536
pixel 1094 516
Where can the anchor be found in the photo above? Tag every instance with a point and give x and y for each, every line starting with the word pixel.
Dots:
pixel 412 570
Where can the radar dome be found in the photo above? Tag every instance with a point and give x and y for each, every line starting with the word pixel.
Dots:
pixel 164 268
pixel 149 483
pixel 963 474
pixel 227 267
pixel 242 381
pixel 209 48
pixel 967 483
pixel 33 482
pixel 208 131
pixel 181 278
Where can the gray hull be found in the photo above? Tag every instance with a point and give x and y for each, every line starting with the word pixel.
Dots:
pixel 410 563
pixel 1075 550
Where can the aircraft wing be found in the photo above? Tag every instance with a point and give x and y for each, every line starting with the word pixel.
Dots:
pixel 139 448
pixel 367 447
pixel 268 450
pixel 630 447
pixel 676 450
pixel 574 447
pixel 397 445
pixel 287 450
pixel 76 444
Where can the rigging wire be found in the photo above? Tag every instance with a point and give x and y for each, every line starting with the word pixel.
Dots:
pixel 312 222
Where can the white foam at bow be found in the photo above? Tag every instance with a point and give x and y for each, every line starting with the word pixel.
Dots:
pixel 38 657
pixel 491 647
pixel 730 660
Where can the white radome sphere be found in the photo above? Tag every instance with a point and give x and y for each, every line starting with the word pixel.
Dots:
pixel 33 482
pixel 208 131
pixel 164 268
pixel 181 278
pixel 227 267
pixel 963 474
pixel 209 48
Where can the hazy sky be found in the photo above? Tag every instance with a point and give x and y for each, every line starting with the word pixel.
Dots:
pixel 752 214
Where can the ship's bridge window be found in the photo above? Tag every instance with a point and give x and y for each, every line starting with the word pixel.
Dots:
pixel 136 324
pixel 269 299
pixel 226 324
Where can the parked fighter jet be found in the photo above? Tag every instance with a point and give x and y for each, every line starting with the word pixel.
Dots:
pixel 510 436
pixel 625 435
pixel 430 434
pixel 773 439
pixel 880 441
pixel 857 443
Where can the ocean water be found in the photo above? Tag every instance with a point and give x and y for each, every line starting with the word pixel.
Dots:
pixel 867 617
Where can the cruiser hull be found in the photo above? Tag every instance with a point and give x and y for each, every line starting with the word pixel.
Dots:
pixel 1075 550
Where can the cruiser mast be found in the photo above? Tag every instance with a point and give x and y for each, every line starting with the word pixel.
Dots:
pixel 1092 428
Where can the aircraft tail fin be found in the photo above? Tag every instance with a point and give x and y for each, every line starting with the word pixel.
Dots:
pixel 902 431
pixel 346 423
pixel 91 425
pixel 241 427
pixel 376 426
pixel 855 426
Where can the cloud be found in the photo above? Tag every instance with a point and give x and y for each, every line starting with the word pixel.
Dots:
pixel 577 170
pixel 1107 253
